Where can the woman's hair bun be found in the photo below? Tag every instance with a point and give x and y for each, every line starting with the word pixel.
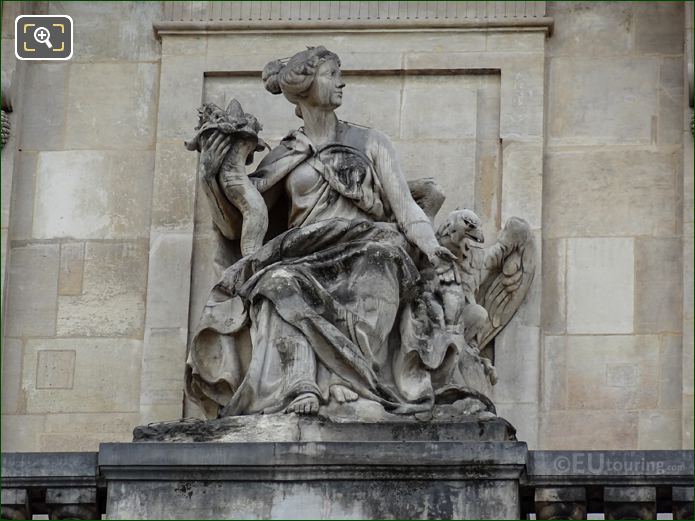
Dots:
pixel 271 76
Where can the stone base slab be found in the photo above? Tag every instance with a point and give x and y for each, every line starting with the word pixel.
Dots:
pixel 313 480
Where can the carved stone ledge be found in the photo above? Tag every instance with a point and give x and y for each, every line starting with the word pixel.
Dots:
pixel 682 502
pixel 560 503
pixel 72 503
pixel 15 504
pixel 629 502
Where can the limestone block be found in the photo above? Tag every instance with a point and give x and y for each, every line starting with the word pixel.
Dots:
pixel 357 43
pixel 184 44
pixel 168 285
pixel 516 42
pixel 174 186
pixel 654 28
pixel 181 83
pixel 589 430
pixel 85 442
pixel 612 372
pixel 517 360
pixel 106 376
pixel 202 276
pixel 23 179
pixel 687 421
pixel 554 373
pixel 127 121
pixel 84 194
pixel 71 268
pixel 660 429
pixel 99 422
pixel 428 111
pixel 602 101
pixel 658 285
pixel 603 29
pixel 522 94
pixel 150 413
pixel 112 302
pixel 20 432
pixel 55 369
pixel 162 367
pixel 524 417
pixel 670 115
pixel 672 368
pixel 11 376
pixel 43 113
pixel 363 94
pixel 554 285
pixel 128 26
pixel 454 169
pixel 632 193
pixel 31 291
pixel 688 185
pixel 600 285
pixel 522 181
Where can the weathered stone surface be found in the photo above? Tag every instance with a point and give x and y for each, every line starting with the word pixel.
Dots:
pixel 586 430
pixel 654 25
pixel 328 426
pixel 658 285
pixel 660 429
pixel 604 29
pixel 554 286
pixel 105 377
pixel 22 196
pixel 672 367
pixel 84 194
pixel 517 352
pixel 522 181
pixel 613 372
pixel 602 101
pixel 403 470
pixel 525 418
pixel 112 302
pixel 184 82
pixel 43 119
pixel 71 268
pixel 11 377
pixel 553 394
pixel 174 186
pixel 128 24
pixel 162 377
pixel 20 432
pixel 126 121
pixel 522 88
pixel 634 193
pixel 427 111
pixel 55 369
pixel 32 290
pixel 168 282
pixel 600 285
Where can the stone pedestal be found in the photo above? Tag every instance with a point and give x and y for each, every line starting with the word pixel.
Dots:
pixel 314 480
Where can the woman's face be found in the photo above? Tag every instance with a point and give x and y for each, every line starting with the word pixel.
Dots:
pixel 326 91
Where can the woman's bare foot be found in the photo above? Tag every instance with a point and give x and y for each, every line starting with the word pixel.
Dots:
pixel 306 403
pixel 343 394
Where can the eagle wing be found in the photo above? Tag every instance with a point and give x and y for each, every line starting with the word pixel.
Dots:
pixel 510 265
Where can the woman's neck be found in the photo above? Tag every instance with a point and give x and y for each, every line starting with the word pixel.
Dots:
pixel 320 126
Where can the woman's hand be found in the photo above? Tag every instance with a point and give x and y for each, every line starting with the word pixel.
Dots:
pixel 213 152
pixel 444 263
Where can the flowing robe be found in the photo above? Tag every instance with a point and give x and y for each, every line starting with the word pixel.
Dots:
pixel 335 299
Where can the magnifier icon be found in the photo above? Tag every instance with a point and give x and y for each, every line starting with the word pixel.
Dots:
pixel 42 35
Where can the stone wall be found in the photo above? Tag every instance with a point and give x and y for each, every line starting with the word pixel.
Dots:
pixel 614 363
pixel 581 133
pixel 79 232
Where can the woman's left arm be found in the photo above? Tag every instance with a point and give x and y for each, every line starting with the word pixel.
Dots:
pixel 410 217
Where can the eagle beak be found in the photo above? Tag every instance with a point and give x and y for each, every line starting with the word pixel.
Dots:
pixel 476 234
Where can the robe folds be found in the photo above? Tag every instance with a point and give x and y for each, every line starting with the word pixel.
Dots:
pixel 338 298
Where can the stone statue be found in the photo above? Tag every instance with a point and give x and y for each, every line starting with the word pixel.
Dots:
pixel 354 298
